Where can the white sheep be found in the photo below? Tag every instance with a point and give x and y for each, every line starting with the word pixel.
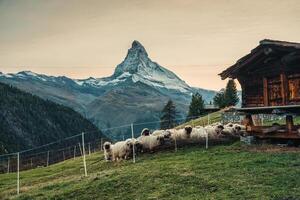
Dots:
pixel 150 142
pixel 163 133
pixel 181 134
pixel 214 131
pixel 121 150
pixel 107 148
pixel 198 133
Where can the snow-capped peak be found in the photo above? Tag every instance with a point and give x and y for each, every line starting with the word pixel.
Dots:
pixel 136 67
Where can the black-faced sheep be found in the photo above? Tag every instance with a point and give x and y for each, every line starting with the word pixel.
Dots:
pixel 107 148
pixel 214 131
pixel 145 132
pixel 182 134
pixel 121 150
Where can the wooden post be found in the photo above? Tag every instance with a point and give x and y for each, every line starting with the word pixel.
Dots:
pixel 18 173
pixel 248 121
pixel 265 84
pixel 101 145
pixel 206 141
pixel 64 155
pixel 289 124
pixel 31 162
pixel 48 158
pixel 8 159
pixel 80 149
pixel 89 149
pixel 74 152
pixel 133 146
pixel 83 151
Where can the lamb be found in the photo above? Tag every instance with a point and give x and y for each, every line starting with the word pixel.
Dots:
pixel 107 148
pixel 150 142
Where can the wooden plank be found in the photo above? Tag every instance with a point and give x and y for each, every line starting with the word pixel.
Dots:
pixel 284 88
pixel 265 86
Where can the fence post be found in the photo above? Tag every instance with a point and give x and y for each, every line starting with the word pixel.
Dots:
pixel 175 141
pixel 74 152
pixel 80 149
pixel 18 173
pixel 83 151
pixel 48 158
pixel 133 147
pixel 101 144
pixel 8 160
pixel 89 149
pixel 206 141
pixel 64 155
pixel 31 162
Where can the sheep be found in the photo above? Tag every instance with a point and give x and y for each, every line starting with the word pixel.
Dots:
pixel 164 133
pixel 198 133
pixel 121 150
pixel 107 148
pixel 150 142
pixel 214 131
pixel 145 132
pixel 182 134
pixel 137 147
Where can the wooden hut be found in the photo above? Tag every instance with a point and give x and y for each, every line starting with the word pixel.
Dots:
pixel 270 80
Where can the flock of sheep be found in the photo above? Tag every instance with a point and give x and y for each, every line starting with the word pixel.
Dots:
pixel 150 141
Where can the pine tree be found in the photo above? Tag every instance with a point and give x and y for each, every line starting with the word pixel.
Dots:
pixel 231 96
pixel 219 99
pixel 196 107
pixel 168 117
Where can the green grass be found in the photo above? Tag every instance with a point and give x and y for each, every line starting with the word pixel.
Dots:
pixel 203 121
pixel 224 172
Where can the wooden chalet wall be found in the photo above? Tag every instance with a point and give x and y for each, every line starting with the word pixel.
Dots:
pixel 269 75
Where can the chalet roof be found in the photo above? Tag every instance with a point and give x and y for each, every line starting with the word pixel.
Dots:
pixel 264 48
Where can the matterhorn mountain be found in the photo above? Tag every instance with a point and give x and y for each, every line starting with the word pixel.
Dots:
pixel 135 93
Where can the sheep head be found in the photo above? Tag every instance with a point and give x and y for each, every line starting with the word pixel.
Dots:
pixel 106 145
pixel 188 129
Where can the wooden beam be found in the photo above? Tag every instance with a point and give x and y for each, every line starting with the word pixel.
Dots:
pixel 289 124
pixel 265 85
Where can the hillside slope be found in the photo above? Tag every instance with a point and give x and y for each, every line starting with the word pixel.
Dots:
pixel 28 121
pixel 224 172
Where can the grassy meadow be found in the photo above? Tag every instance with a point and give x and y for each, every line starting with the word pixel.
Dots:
pixel 221 172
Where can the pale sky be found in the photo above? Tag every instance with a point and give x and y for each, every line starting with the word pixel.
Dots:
pixel 194 39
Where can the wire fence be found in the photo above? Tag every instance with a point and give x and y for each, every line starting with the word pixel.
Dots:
pixel 79 145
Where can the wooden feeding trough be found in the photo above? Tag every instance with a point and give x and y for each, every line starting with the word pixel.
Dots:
pixel 270 80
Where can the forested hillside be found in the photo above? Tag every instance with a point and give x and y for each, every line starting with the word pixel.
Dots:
pixel 28 121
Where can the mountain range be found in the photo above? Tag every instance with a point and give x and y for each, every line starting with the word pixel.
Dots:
pixel 135 93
